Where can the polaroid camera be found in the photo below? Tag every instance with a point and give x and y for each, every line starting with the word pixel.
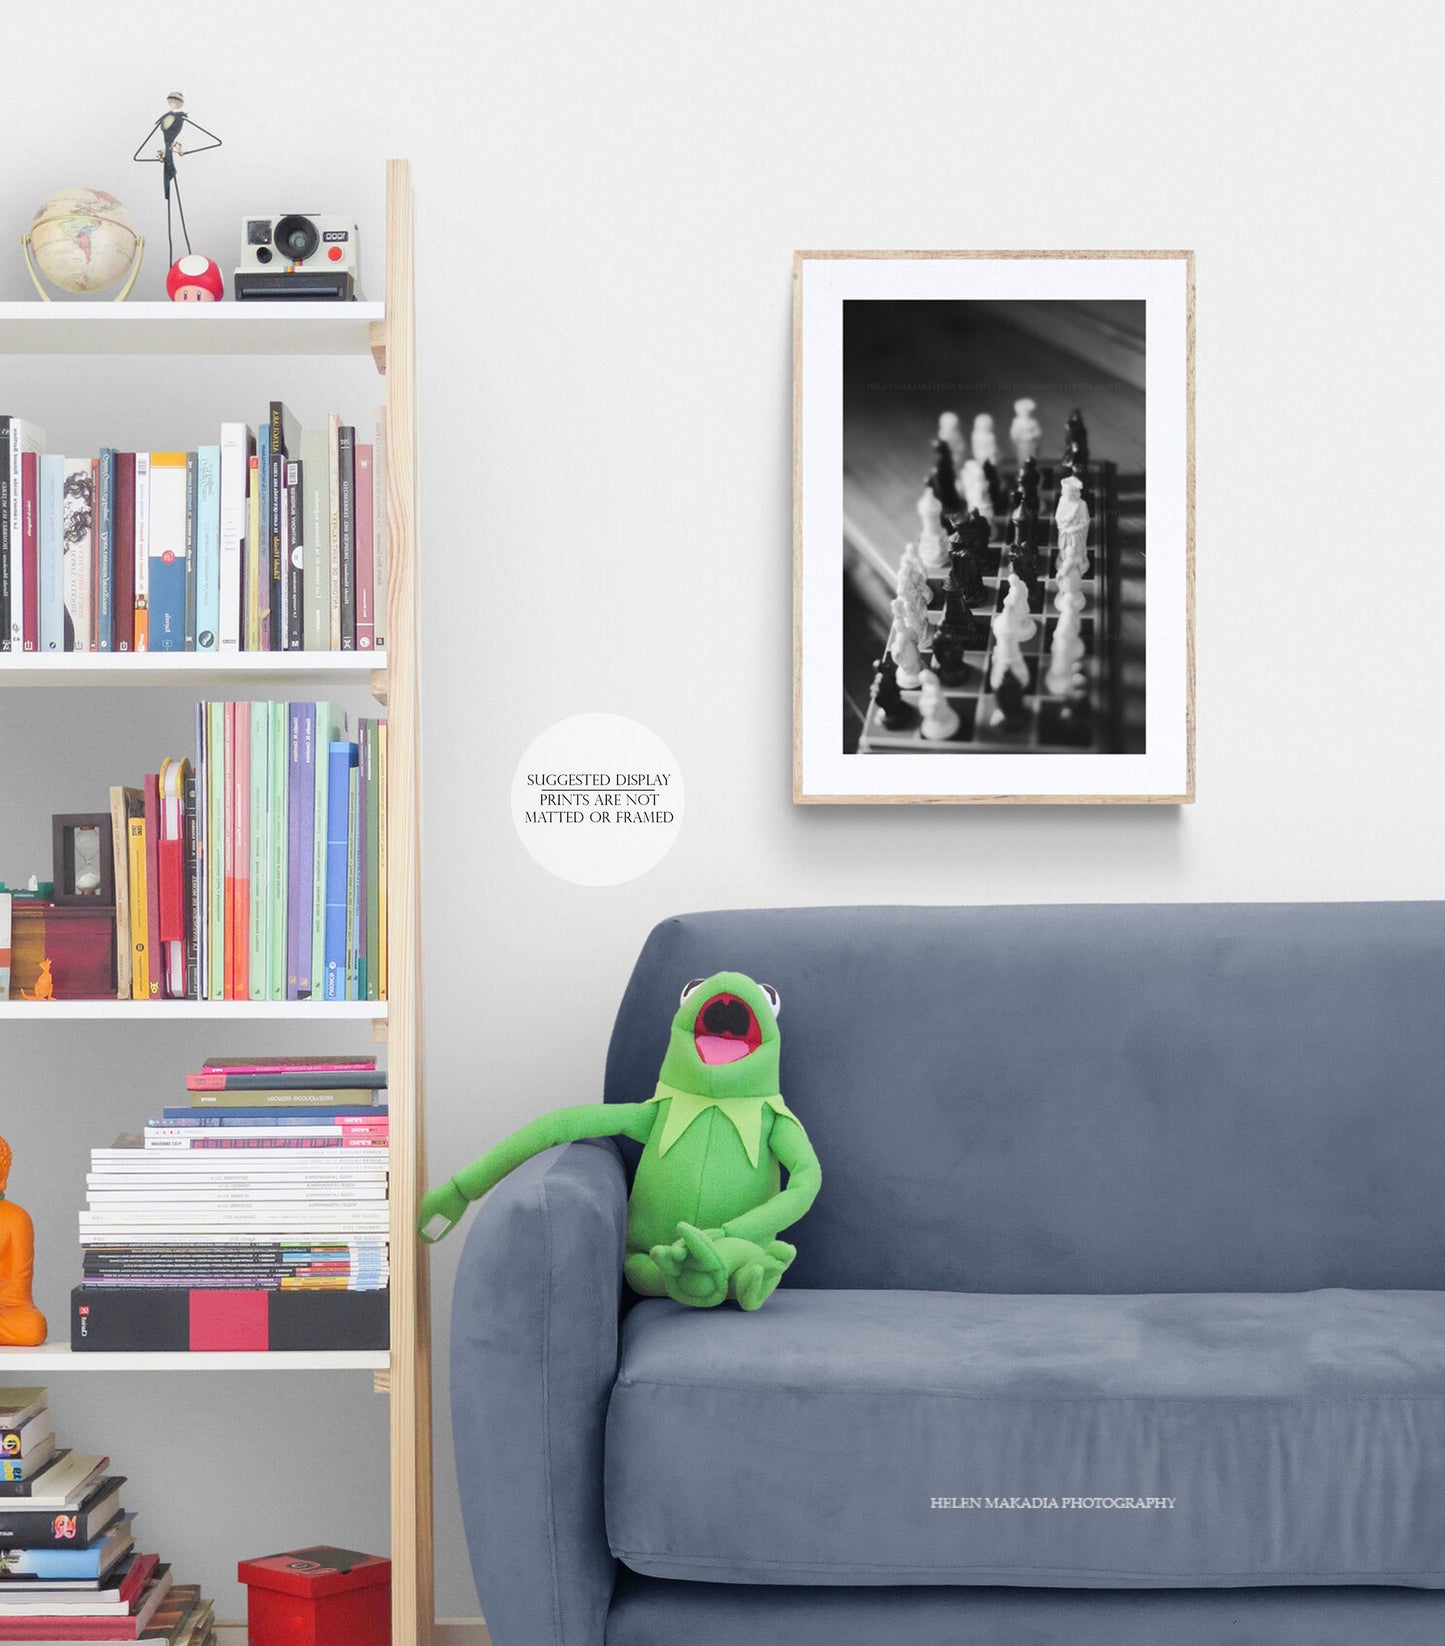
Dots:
pixel 295 258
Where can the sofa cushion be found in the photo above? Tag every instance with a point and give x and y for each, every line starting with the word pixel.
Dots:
pixel 1182 1440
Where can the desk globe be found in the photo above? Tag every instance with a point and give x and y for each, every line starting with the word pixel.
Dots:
pixel 83 241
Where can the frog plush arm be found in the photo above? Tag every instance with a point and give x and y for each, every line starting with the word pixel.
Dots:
pixel 794 1152
pixel 442 1207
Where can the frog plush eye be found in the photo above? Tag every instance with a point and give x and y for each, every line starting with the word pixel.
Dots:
pixel 775 1000
pixel 691 988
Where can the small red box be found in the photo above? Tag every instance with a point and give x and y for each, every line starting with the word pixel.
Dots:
pixel 317 1597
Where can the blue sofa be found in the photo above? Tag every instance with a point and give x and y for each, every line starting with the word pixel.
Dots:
pixel 1118 1320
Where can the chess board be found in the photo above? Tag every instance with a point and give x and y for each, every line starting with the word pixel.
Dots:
pixel 1051 725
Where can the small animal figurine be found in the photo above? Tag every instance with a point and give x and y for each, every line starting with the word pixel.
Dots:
pixel 21 1324
pixel 44 983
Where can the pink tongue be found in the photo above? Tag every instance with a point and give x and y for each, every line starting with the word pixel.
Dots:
pixel 714 1048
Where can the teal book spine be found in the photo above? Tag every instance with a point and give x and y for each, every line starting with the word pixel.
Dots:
pixel 330 727
pixel 260 862
pixel 340 830
pixel 208 548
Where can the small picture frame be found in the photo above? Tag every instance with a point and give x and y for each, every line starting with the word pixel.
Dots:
pixel 985 611
pixel 83 864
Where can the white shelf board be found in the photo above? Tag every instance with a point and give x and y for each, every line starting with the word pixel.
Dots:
pixel 201 670
pixel 188 328
pixel 59 1357
pixel 139 1011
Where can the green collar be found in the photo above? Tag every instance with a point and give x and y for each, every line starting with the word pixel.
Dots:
pixel 745 1113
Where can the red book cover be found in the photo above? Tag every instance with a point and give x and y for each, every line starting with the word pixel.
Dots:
pixel 228 854
pixel 125 551
pixel 150 789
pixel 60 1627
pixel 365 553
pixel 30 548
pixel 241 785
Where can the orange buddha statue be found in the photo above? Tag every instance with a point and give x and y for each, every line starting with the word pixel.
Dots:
pixel 21 1324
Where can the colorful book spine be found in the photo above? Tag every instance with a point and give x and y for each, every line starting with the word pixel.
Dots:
pixel 139 914
pixel 259 757
pixel 372 947
pixel 6 939
pixel 77 528
pixel 124 509
pixel 7 593
pixel 340 814
pixel 354 882
pixel 230 926
pixel 235 458
pixel 333 493
pixel 301 802
pixel 192 528
pixel 52 553
pixel 278 809
pixel 30 548
pixel 217 777
pixel 330 726
pixel 295 557
pixel 208 548
pixel 379 526
pixel 365 552
pixel 105 553
pixel 150 794
pixel 199 847
pixel 251 601
pixel 315 540
pixel 167 551
pixel 346 477
pixel 381 888
pixel 142 557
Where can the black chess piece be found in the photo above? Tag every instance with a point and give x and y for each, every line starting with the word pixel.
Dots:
pixel 965 574
pixel 1009 696
pixel 1023 522
pixel 942 482
pixel 958 615
pixel 976 535
pixel 1076 436
pixel 896 713
pixel 997 491
pixel 948 650
pixel 1028 483
pixel 1023 562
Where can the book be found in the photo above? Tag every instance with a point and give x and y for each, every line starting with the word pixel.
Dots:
pixel 324 1105
pixel 78 1523
pixel 6 591
pixel 139 911
pixel 346 481
pixel 295 557
pixel 259 875
pixel 71 1562
pixel 23 1441
pixel 278 827
pixel 167 551
pixel 30 549
pixel 304 1063
pixel 20 437
pixel 193 863
pixel 208 548
pixel 241 785
pixel 125 805
pixel 141 558
pixel 6 939
pixel 123 1585
pixel 235 453
pixel 365 551
pixel 18 1406
pixel 193 482
pixel 161 1319
pixel 52 553
pixel 64 1485
pixel 124 551
pixel 210 1081
pixel 155 955
pixel 371 940
pixel 18 1475
pixel 251 586
pixel 381 869
pixel 330 725
pixel 77 528
pixel 341 762
pixel 173 877
pixel 284 442
pixel 213 716
pixel 105 552
pixel 356 876
pixel 333 494
pixel 74 1627
pixel 315 540
pixel 301 846
pixel 379 527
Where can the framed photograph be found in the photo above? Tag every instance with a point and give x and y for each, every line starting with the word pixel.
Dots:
pixel 993 537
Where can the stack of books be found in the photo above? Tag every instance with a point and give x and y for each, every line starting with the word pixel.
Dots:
pixel 69 1568
pixel 258 871
pixel 255 1216
pixel 273 539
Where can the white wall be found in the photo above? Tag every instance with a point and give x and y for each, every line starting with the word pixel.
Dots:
pixel 608 198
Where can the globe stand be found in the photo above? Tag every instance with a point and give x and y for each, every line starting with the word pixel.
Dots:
pixel 120 296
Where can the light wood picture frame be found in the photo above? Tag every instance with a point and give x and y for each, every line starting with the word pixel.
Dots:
pixel 1042 657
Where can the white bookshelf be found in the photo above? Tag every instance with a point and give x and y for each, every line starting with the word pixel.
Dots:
pixel 60 1357
pixel 274 1011
pixel 202 672
pixel 275 329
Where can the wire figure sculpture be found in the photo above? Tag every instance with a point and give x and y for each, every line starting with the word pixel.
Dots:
pixel 170 126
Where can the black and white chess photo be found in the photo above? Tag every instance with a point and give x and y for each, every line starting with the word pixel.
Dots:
pixel 993 526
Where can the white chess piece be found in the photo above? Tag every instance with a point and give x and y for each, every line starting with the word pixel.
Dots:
pixel 973 483
pixel 1016 614
pixel 1067 650
pixel 904 645
pixel 985 441
pixel 932 548
pixel 940 719
pixel 1025 431
pixel 950 431
pixel 1072 519
pixel 913 587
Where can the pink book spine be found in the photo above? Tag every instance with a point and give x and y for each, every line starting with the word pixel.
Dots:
pixel 365 554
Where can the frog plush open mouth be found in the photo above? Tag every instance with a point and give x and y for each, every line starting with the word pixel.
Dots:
pixel 726 1029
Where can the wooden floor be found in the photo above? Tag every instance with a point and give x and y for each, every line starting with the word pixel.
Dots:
pixel 905 363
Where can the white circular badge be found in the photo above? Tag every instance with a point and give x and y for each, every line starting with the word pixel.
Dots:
pixel 597 799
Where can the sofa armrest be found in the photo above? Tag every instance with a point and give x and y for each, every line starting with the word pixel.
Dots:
pixel 533 1361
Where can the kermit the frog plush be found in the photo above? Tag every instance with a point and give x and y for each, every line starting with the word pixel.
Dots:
pixel 707 1202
